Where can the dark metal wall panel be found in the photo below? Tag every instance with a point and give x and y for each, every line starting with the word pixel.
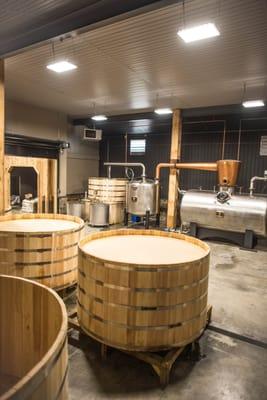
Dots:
pixel 252 163
pixel 197 147
pixel 199 143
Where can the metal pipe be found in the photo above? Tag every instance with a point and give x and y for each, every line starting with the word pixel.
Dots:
pixel 196 166
pixel 224 137
pixel 160 166
pixel 254 179
pixel 239 139
pixel 109 172
pixel 126 148
pixel 117 164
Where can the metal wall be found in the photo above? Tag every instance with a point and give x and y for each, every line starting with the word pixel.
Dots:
pixel 200 142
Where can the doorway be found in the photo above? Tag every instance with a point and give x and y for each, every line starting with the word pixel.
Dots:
pixel 23 189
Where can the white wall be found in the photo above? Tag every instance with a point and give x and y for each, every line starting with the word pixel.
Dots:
pixel 77 163
pixel 33 121
pixel 82 162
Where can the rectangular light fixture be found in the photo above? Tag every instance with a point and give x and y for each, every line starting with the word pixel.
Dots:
pixel 61 66
pixel 253 103
pixel 198 32
pixel 99 118
pixel 163 111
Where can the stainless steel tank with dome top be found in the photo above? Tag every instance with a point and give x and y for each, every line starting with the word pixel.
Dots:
pixel 141 194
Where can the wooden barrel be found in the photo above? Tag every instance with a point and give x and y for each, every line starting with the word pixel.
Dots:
pixel 33 345
pixel 142 290
pixel 107 190
pixel 42 247
pixel 111 191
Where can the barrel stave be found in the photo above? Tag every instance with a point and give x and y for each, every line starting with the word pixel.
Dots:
pixel 33 345
pixel 51 258
pixel 142 307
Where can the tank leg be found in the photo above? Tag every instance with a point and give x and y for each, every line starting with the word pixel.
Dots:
pixel 147 219
pixel 158 220
pixel 249 239
pixel 125 217
pixel 104 350
pixel 193 229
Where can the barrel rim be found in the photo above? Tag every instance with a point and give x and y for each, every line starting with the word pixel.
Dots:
pixel 146 232
pixel 13 217
pixel 102 178
pixel 52 352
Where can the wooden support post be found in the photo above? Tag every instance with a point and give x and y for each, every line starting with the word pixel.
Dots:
pixel 173 177
pixel 2 136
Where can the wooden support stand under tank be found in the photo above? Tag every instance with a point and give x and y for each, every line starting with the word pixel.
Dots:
pixel 160 362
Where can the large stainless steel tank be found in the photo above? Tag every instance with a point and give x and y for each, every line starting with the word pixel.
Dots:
pixel 225 211
pixel 141 196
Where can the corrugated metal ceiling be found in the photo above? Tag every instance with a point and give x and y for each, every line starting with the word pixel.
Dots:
pixel 139 63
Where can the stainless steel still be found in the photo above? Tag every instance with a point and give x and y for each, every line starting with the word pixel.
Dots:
pixel 99 214
pixel 141 196
pixel 225 211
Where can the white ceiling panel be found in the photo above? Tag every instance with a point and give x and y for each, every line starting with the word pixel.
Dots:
pixel 139 63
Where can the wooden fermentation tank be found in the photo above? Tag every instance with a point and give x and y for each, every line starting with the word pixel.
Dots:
pixel 157 302
pixel 111 191
pixel 33 345
pixel 42 247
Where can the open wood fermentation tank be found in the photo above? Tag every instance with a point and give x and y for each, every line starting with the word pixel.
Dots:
pixel 42 247
pixel 142 289
pixel 33 345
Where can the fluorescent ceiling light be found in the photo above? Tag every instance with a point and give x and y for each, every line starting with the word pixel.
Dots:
pixel 61 66
pixel 163 111
pixel 198 32
pixel 253 103
pixel 99 118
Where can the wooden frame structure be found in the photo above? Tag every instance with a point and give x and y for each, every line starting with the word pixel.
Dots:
pixel 173 176
pixel 46 170
pixel 160 362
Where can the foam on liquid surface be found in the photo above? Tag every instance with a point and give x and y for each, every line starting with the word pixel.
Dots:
pixel 37 225
pixel 140 249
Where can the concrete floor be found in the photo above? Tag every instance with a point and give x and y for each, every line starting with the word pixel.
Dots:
pixel 229 369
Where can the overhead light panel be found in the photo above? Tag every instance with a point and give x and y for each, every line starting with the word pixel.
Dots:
pixel 163 111
pixel 253 103
pixel 198 32
pixel 99 118
pixel 61 66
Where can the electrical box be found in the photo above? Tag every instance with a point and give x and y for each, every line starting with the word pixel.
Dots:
pixel 92 134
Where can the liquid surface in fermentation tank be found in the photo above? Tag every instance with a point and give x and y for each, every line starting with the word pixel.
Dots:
pixel 37 225
pixel 144 249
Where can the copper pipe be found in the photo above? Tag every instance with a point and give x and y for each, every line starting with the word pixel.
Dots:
pixel 227 169
pixel 163 165
pixel 197 166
